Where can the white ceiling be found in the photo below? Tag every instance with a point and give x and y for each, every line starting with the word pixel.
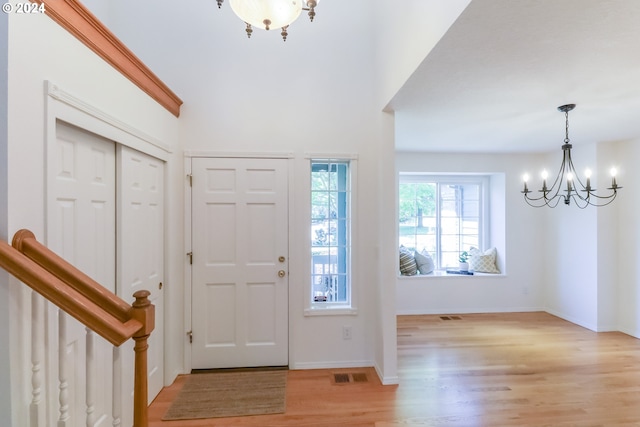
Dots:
pixel 494 81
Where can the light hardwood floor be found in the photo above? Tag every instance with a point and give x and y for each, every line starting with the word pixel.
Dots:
pixel 515 369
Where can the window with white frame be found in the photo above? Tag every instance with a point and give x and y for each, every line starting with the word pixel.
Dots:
pixel 330 232
pixel 443 215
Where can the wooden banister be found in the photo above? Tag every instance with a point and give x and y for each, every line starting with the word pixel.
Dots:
pixel 87 301
pixel 144 312
pixel 25 242
pixel 86 311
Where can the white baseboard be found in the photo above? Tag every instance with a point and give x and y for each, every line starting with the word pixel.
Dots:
pixel 574 320
pixel 469 310
pixel 634 332
pixel 171 377
pixel 331 365
pixel 388 380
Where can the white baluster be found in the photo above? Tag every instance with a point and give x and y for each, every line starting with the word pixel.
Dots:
pixel 90 377
pixel 37 351
pixel 63 381
pixel 117 387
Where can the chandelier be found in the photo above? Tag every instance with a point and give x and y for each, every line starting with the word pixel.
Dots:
pixel 267 14
pixel 567 185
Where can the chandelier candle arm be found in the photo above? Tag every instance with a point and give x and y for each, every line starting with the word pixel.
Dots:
pixel 568 179
pixel 525 178
pixel 614 184
pixel 587 174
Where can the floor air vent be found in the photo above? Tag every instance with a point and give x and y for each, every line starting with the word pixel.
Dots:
pixel 450 317
pixel 346 378
pixel 359 378
pixel 341 378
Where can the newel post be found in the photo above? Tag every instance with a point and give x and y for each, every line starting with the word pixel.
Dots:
pixel 144 312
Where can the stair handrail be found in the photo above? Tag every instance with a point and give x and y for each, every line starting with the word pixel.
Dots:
pixel 88 302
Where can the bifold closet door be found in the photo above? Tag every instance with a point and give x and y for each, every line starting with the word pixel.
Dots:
pixel 141 246
pixel 81 227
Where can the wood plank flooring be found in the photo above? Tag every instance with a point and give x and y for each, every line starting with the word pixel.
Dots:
pixel 508 369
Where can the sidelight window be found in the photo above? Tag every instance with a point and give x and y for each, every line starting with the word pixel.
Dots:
pixel 330 232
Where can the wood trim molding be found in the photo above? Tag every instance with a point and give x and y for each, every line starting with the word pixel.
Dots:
pixel 82 24
pixel 60 95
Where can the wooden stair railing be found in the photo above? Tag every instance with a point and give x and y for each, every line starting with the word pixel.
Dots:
pixel 87 301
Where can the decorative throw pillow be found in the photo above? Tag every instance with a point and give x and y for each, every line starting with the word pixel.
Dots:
pixel 483 262
pixel 424 262
pixel 408 265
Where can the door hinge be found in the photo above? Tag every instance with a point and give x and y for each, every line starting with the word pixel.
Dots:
pixel 190 176
pixel 190 255
pixel 190 335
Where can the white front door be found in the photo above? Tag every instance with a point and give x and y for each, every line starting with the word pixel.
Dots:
pixel 141 249
pixel 239 263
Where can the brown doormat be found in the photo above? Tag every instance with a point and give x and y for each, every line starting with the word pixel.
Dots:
pixel 229 394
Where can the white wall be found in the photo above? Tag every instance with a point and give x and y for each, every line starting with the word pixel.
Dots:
pixel 584 276
pixel 406 33
pixel 5 344
pixel 571 252
pixel 384 263
pixel 520 247
pixel 608 275
pixel 40 50
pixel 628 230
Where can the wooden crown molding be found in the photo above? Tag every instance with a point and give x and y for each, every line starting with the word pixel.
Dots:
pixel 79 21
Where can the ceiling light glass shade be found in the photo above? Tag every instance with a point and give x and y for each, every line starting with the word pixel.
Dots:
pixel 267 14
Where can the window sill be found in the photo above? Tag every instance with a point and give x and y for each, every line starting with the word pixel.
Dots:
pixel 442 273
pixel 330 310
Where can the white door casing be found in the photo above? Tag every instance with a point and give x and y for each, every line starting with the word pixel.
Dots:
pixel 141 253
pixel 239 262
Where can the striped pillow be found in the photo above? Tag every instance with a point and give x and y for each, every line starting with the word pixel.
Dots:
pixel 408 265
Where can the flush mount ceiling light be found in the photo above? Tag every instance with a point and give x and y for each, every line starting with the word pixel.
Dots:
pixel 268 14
pixel 567 185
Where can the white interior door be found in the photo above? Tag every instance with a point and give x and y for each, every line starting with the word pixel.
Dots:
pixel 81 229
pixel 141 252
pixel 239 263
